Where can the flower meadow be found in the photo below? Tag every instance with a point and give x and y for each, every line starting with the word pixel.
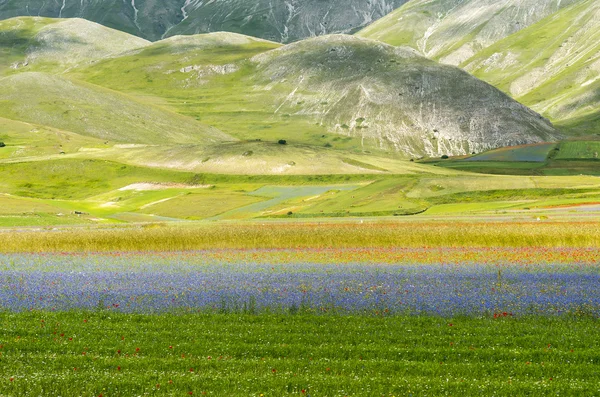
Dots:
pixel 301 322
pixel 416 282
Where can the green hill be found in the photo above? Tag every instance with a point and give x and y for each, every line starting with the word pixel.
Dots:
pixel 552 66
pixel 96 112
pixel 51 44
pixel 337 91
pixel 545 54
pixel 453 31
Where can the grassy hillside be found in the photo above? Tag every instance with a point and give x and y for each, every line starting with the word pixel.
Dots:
pixel 543 53
pixel 56 44
pixel 97 112
pixel 333 91
pixel 452 31
pixel 552 66
pixel 24 140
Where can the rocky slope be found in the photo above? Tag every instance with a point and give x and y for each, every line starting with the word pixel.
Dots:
pixel 552 66
pixel 394 98
pixel 452 31
pixel 278 20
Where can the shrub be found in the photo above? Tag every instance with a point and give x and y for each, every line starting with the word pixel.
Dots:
pixel 2 144
pixel 282 142
pixel 444 157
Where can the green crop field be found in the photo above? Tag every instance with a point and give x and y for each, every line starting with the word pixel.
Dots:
pixel 579 150
pixel 112 354
pixel 528 153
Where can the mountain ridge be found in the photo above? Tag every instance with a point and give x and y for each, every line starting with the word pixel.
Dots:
pixel 336 91
pixel 277 20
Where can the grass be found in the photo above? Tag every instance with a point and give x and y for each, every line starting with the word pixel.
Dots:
pixel 387 197
pixel 111 354
pixel 577 159
pixel 315 234
pixel 94 187
pixel 97 112
pixel 526 153
pixel 77 179
pixel 578 150
pixel 40 219
pixel 201 205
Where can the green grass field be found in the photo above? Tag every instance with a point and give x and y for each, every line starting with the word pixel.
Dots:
pixel 527 153
pixel 51 189
pixel 112 354
pixel 579 150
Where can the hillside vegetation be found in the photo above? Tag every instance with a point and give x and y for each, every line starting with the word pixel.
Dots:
pixel 552 66
pixel 97 112
pixel 544 53
pixel 453 31
pixel 334 91
pixel 54 44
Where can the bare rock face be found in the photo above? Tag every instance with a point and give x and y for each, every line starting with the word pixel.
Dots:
pixel 277 20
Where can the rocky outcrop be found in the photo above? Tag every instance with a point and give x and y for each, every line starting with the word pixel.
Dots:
pixel 277 20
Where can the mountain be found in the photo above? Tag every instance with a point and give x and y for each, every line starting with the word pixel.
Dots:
pixel 277 20
pixel 544 53
pixel 394 97
pixel 552 66
pixel 340 91
pixel 453 31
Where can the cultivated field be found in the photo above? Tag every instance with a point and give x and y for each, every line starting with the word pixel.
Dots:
pixel 302 321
